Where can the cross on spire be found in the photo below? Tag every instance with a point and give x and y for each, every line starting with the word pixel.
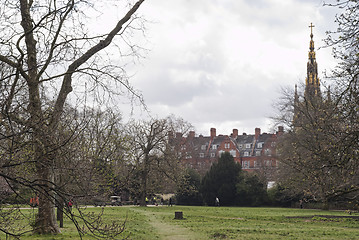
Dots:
pixel 311 28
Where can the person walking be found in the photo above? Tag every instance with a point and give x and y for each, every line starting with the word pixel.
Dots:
pixel 217 202
pixel 170 202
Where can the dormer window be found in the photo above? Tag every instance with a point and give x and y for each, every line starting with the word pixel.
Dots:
pixel 214 146
pixel 248 145
pixel 226 145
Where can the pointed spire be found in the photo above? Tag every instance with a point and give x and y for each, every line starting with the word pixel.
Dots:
pixel 312 84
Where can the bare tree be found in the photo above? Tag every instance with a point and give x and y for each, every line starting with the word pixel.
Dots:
pixel 148 140
pixel 155 159
pixel 44 44
pixel 315 161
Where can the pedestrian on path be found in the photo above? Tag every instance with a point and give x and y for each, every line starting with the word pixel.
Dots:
pixel 217 202
pixel 170 202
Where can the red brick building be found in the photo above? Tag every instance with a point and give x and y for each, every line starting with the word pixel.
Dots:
pixel 256 152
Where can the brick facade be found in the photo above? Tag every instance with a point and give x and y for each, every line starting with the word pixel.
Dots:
pixel 255 152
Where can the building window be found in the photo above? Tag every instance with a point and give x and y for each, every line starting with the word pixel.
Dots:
pixel 260 145
pixel 258 153
pixel 226 145
pixel 201 155
pixel 213 155
pixel 220 153
pixel 233 153
pixel 245 164
pixel 240 146
pixel 255 164
pixel 246 154
pixel 214 146
pixel 203 147
pixel 268 163
pixel 248 145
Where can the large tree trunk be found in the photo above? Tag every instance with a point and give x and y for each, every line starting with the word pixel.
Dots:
pixel 45 222
pixel 144 188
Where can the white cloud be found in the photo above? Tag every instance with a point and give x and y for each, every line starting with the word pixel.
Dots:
pixel 221 63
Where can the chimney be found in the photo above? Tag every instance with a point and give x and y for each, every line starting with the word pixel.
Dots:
pixel 257 132
pixel 191 134
pixel 213 132
pixel 235 133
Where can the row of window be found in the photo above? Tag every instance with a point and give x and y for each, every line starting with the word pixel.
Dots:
pixel 267 152
pixel 256 164
pixel 240 146
pixel 245 164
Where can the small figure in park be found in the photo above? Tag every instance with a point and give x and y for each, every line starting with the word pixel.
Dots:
pixel 301 204
pixel 170 202
pixel 69 204
pixel 34 202
pixel 217 201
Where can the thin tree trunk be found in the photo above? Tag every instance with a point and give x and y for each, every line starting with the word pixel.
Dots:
pixel 60 212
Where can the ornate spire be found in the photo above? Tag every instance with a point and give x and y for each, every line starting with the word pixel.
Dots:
pixel 312 85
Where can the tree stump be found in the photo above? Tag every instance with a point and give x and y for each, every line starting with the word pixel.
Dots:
pixel 178 215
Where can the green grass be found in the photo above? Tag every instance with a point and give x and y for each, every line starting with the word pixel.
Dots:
pixel 222 223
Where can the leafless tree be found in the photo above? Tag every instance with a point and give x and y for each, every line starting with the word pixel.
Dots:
pixel 154 159
pixel 45 46
pixel 314 158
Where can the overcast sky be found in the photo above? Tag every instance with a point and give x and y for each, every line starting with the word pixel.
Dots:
pixel 222 63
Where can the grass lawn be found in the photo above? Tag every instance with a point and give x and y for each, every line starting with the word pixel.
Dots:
pixel 223 223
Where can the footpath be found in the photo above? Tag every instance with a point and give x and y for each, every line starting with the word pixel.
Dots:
pixel 166 230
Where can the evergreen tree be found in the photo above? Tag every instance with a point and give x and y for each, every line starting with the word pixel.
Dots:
pixel 220 181
pixel 188 191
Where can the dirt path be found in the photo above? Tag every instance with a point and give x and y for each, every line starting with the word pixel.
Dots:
pixel 167 230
